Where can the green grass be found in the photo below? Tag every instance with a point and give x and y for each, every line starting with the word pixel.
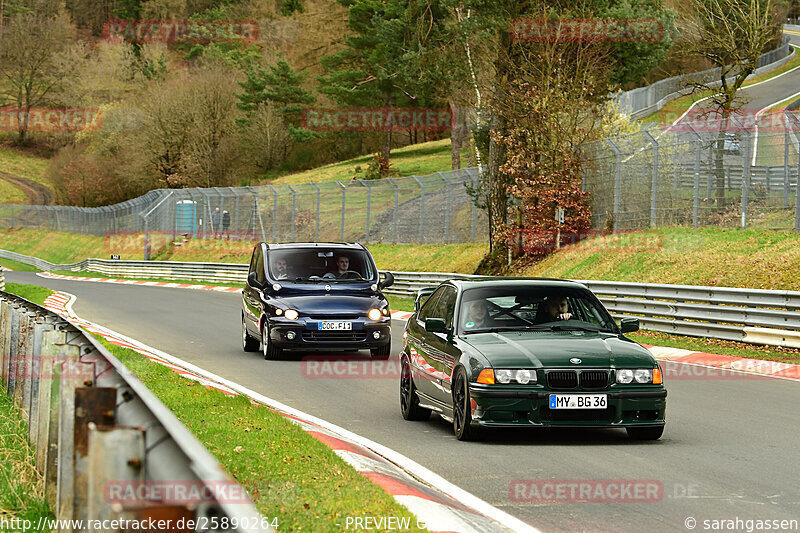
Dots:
pixel 716 346
pixel 419 159
pixel 16 265
pixel 10 194
pixel 91 274
pixel 758 259
pixel 21 486
pixel 32 293
pixel 288 473
pixel 400 303
pixel 24 165
pixel 460 258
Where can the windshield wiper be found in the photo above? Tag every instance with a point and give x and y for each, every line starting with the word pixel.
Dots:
pixel 573 327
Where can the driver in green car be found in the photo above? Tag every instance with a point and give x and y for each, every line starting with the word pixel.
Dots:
pixel 555 307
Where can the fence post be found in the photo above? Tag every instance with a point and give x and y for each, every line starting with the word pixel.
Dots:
pixel 274 213
pixel 447 207
pixel 294 205
pixel 617 182
pixel 316 231
pixel 696 201
pixel 344 196
pixel 654 182
pixel 785 161
pixel 394 213
pixel 369 201
pixel 421 209
pixel 746 169
pixel 797 196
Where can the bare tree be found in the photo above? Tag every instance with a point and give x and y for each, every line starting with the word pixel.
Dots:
pixel 731 35
pixel 29 69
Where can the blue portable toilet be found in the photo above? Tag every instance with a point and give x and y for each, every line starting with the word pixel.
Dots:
pixel 186 217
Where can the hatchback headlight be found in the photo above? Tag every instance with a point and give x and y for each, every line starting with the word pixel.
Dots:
pixel 291 314
pixel 374 314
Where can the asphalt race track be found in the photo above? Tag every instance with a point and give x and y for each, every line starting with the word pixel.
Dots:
pixel 729 449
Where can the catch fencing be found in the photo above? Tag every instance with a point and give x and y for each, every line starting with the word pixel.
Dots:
pixel 434 208
pixel 643 101
pixel 93 425
pixel 693 175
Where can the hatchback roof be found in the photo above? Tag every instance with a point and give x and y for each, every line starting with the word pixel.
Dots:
pixel 289 245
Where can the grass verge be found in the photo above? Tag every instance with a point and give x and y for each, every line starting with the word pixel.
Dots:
pixel 757 259
pixel 16 265
pixel 24 165
pixel 32 293
pixel 288 473
pixel 90 274
pixel 716 346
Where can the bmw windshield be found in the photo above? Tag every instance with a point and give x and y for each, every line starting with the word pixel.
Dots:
pixel 313 265
pixel 509 308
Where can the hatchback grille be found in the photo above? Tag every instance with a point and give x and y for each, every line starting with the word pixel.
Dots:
pixel 562 379
pixel 594 379
pixel 335 336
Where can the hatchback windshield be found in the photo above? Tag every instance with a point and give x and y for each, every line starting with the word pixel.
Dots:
pixel 308 265
pixel 532 308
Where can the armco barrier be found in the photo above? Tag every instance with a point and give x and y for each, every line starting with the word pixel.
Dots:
pixel 747 315
pixel 93 423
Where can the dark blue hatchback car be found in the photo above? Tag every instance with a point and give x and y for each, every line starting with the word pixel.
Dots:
pixel 315 296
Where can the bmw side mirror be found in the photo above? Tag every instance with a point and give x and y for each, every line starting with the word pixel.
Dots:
pixel 436 325
pixel 629 324
pixel 387 281
pixel 251 279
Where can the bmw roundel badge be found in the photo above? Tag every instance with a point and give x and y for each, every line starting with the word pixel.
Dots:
pixel 575 361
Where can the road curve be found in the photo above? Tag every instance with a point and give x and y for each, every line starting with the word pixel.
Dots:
pixel 727 452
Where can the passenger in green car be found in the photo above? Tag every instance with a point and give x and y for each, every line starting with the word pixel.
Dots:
pixel 478 315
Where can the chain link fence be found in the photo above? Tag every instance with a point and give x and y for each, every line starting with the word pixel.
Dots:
pixel 433 209
pixel 742 176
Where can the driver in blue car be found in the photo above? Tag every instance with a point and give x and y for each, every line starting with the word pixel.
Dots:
pixel 342 265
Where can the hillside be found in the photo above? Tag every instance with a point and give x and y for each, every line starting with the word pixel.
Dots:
pixel 759 259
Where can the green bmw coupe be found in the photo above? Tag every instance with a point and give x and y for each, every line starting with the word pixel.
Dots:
pixel 513 352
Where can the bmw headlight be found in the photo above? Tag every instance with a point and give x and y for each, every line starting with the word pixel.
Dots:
pixel 502 375
pixel 624 375
pixel 522 376
pixel 291 314
pixel 638 375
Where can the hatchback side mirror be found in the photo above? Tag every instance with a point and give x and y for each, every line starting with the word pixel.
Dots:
pixel 387 281
pixel 629 324
pixel 436 325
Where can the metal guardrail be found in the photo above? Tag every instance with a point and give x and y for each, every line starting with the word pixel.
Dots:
pixel 747 315
pixel 94 425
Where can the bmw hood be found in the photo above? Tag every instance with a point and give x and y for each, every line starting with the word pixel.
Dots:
pixel 556 348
